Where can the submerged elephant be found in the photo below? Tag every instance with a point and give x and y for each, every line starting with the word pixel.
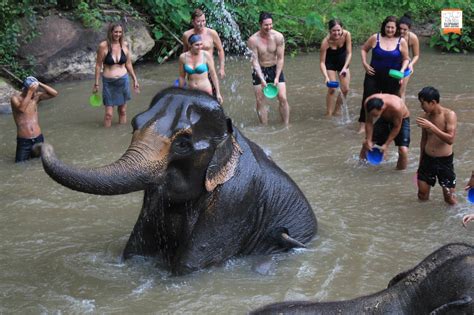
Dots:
pixel 210 193
pixel 443 283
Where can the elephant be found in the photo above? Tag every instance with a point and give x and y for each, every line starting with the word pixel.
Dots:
pixel 443 283
pixel 209 192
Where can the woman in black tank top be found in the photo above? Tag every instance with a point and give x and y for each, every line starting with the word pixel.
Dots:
pixel 334 59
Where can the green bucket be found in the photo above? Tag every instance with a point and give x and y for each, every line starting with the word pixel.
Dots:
pixel 270 91
pixel 396 74
pixel 95 100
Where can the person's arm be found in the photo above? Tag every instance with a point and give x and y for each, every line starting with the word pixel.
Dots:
pixel 129 66
pixel 280 52
pixel 48 93
pixel 424 139
pixel 363 52
pixel 446 136
pixel 415 44
pixel 252 45
pixel 348 53
pixel 397 125
pixel 220 53
pixel 213 73
pixel 182 73
pixel 467 218
pixel 322 59
pixel 369 128
pixel 470 183
pixel 185 42
pixel 405 56
pixel 99 61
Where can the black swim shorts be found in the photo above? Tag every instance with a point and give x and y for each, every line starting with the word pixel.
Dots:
pixel 437 167
pixel 269 74
pixel 382 129
pixel 24 148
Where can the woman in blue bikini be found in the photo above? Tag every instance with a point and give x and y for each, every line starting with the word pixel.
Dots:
pixel 195 64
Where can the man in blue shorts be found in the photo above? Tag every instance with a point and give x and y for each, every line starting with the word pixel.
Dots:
pixel 25 113
pixel 393 124
pixel 436 146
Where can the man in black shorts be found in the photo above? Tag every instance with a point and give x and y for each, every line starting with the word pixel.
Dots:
pixel 436 146
pixel 393 124
pixel 268 52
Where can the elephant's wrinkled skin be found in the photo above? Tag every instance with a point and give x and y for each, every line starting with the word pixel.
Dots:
pixel 210 193
pixel 443 283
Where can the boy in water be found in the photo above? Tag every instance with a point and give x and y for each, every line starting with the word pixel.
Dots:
pixel 25 113
pixel 436 147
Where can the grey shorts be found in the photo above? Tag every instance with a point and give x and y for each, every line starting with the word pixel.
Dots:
pixel 116 91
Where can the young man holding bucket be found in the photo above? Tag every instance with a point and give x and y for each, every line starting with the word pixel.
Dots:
pixel 25 113
pixel 268 52
pixel 393 124
pixel 436 146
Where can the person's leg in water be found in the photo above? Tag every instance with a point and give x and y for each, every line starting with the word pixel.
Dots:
pixel 122 112
pixel 344 80
pixel 283 101
pixel 331 102
pixel 423 190
pixel 402 162
pixel 109 112
pixel 449 195
pixel 262 112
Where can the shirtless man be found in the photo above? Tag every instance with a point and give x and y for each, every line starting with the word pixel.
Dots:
pixel 436 146
pixel 25 113
pixel 393 124
pixel 268 52
pixel 210 39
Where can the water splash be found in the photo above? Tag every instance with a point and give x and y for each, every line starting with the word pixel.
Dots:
pixel 345 118
pixel 222 20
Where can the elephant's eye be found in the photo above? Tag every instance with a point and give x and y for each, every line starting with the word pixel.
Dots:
pixel 182 146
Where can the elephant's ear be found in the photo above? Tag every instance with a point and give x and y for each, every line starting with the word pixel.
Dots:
pixel 223 164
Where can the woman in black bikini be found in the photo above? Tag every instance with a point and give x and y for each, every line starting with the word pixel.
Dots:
pixel 114 56
pixel 334 59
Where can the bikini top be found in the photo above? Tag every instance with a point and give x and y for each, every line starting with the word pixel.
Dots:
pixel 109 60
pixel 386 59
pixel 199 69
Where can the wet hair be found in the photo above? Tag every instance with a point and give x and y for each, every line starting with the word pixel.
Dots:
pixel 263 16
pixel 196 13
pixel 194 38
pixel 333 23
pixel 375 102
pixel 405 19
pixel 110 31
pixel 388 19
pixel 428 94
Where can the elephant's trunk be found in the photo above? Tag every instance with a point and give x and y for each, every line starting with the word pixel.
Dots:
pixel 120 177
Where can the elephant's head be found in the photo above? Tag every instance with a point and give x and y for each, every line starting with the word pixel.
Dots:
pixel 183 142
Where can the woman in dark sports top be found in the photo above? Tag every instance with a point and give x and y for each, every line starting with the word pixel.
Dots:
pixel 195 64
pixel 389 51
pixel 334 59
pixel 115 59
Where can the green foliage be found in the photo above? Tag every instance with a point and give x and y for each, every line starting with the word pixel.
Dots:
pixel 90 17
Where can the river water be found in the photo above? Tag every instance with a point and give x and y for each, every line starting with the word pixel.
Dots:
pixel 60 250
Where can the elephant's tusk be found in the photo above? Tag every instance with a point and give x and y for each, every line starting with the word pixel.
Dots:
pixel 292 241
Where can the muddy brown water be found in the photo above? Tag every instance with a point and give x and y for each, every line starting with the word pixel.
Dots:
pixel 60 249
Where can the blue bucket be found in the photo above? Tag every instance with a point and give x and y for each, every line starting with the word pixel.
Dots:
pixel 375 156
pixel 470 194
